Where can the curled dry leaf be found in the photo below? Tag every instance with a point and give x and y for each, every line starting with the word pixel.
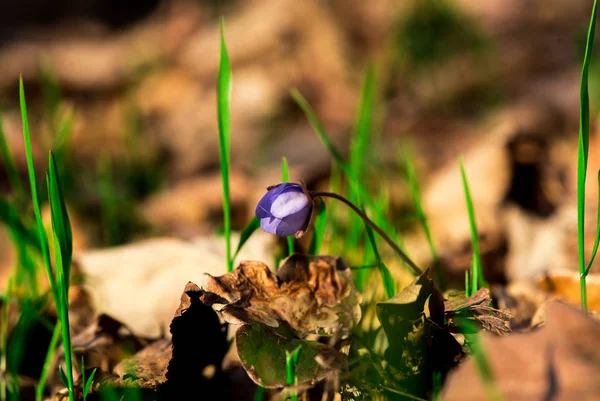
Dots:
pixel 311 294
pixel 477 310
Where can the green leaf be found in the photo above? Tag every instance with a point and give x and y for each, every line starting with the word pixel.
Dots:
pixel 89 382
pixel 319 229
pixel 223 99
pixel 63 377
pixel 262 351
pixel 247 232
pixel 387 280
pixel 61 224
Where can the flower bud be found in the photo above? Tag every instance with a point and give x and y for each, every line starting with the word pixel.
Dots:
pixel 285 210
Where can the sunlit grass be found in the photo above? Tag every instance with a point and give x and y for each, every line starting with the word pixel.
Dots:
pixel 223 100
pixel 475 279
pixel 582 159
pixel 63 241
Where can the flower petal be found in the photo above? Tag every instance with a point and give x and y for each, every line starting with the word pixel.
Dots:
pixel 270 224
pixel 263 209
pixel 293 223
pixel 288 203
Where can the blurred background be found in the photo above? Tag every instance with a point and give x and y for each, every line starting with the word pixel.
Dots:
pixel 125 93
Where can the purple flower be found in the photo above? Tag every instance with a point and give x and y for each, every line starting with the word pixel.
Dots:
pixel 284 210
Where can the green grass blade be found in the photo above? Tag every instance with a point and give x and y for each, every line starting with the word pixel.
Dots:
pixel 359 147
pixel 291 361
pixel 259 394
pixel 422 217
pixel 582 156
pixel 386 277
pixel 359 188
pixel 223 100
pixel 476 276
pixel 247 232
pixel 360 142
pixel 11 167
pixel 61 224
pixel 285 177
pixel 597 239
pixel 88 384
pixel 43 240
pixel 319 229
pixel 62 306
pixel 39 389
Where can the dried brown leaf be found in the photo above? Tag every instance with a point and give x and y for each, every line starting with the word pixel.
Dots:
pixel 559 361
pixel 312 294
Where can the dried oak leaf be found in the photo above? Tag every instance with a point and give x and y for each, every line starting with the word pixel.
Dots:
pixel 311 294
pixel 147 368
pixel 559 361
pixel 475 309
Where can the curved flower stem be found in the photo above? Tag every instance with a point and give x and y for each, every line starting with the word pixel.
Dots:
pixel 415 269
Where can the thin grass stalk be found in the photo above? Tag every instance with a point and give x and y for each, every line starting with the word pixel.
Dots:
pixel 582 156
pixel 476 277
pixel 34 194
pixel 415 270
pixel 223 100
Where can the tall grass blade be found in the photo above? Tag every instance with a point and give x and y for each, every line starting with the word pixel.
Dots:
pixel 61 224
pixel 386 277
pixel 582 156
pixel 43 240
pixel 476 276
pixel 291 361
pixel 319 229
pixel 63 255
pixel 285 177
pixel 359 148
pixel 223 100
pixel 359 188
